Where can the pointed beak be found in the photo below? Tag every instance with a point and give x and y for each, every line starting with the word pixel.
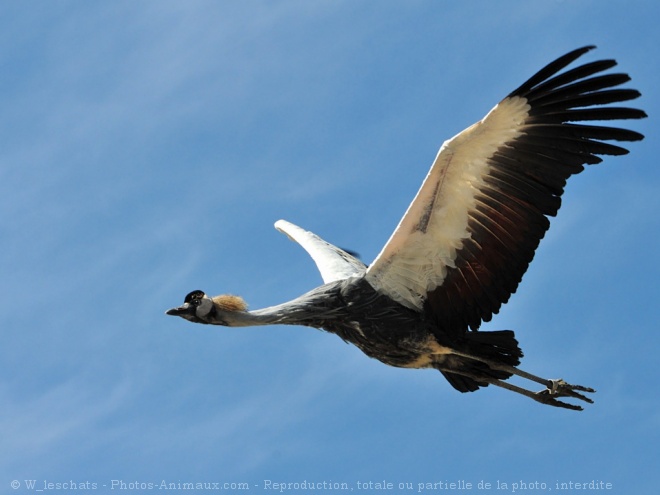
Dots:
pixel 183 311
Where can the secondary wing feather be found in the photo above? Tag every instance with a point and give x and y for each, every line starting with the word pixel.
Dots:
pixel 467 238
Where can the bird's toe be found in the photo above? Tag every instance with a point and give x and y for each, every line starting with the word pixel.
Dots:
pixel 559 388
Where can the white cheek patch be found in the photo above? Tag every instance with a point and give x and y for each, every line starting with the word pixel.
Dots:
pixel 205 307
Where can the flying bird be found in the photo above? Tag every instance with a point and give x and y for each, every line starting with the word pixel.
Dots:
pixel 466 240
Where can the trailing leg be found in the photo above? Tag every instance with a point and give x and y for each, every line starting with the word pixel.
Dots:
pixel 461 369
pixel 547 396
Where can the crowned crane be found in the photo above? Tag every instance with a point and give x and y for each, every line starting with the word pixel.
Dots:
pixel 464 243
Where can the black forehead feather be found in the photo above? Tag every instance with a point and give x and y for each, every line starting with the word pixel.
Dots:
pixel 196 294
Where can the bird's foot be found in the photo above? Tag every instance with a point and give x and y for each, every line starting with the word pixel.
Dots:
pixel 559 388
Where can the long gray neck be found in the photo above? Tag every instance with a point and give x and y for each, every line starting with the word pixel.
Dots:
pixel 286 313
pixel 308 309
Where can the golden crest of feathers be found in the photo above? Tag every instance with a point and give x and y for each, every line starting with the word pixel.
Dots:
pixel 227 302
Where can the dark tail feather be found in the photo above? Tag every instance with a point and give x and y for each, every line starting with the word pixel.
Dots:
pixel 462 383
pixel 500 346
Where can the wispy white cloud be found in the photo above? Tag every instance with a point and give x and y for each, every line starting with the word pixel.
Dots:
pixel 65 418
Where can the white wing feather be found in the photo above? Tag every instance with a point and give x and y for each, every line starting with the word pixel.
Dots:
pixel 415 259
pixel 333 263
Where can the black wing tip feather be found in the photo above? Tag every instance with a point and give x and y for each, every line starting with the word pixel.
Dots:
pixel 551 69
pixel 586 82
pixel 583 93
pixel 558 97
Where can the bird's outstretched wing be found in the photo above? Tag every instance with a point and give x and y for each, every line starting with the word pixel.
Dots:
pixel 469 235
pixel 334 263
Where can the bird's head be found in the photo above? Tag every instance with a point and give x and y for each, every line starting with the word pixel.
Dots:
pixel 200 308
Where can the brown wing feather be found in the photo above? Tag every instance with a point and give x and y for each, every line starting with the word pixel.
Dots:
pixel 524 184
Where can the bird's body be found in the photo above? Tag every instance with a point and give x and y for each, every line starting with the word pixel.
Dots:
pixel 465 242
pixel 380 327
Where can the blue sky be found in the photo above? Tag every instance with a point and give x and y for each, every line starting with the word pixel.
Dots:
pixel 147 149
